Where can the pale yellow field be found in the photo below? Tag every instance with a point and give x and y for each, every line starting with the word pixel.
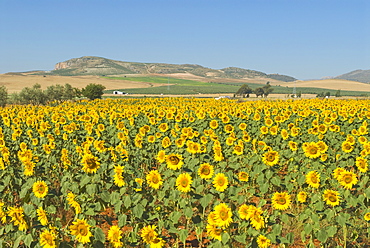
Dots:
pixel 15 83
pixel 335 84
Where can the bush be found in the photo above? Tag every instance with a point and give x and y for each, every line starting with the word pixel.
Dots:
pixel 93 91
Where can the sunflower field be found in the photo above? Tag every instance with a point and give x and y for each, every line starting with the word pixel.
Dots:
pixel 177 172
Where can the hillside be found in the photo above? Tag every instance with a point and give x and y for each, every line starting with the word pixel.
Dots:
pixel 98 66
pixel 357 75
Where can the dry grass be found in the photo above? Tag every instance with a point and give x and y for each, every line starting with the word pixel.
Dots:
pixel 15 83
pixel 334 84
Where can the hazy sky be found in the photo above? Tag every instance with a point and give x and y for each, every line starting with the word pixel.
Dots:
pixel 306 39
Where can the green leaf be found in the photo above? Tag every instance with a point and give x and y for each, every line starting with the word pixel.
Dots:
pixel 51 209
pixel 225 237
pixel 188 212
pixel 276 181
pixel 105 196
pixel 205 201
pixel 122 220
pixel 183 234
pixel 308 228
pixel 241 238
pixel 99 234
pixel 91 189
pixel 114 197
pixel 331 230
pixel 28 240
pixel 285 218
pixel 138 210
pixel 85 180
pixel 18 240
pixel 127 201
pixel 322 235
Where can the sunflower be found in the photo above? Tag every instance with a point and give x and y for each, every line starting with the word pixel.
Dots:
pixel 293 145
pixel 263 242
pixel 148 233
pixel 159 242
pixel 281 200
pixel 264 130
pixel 47 239
pixel 220 182
pixel 243 176
pixel 347 179
pixel 115 236
pixel 238 149
pixel 214 231
pixel 337 172
pixel 42 216
pixel 163 127
pixel 166 142
pixel 71 201
pixel 90 163
pixel 206 171
pixel 161 156
pixel 302 197
pixel 313 179
pixel 362 164
pixel 223 215
pixel 256 218
pixel 228 128
pixel 271 158
pixel 274 130
pixel 174 161
pixel 323 147
pixel 2 213
pixel 154 179
pixel 40 189
pixel 81 230
pixel 218 156
pixel 118 178
pixel 347 147
pixel 311 150
pixel 284 134
pixel 367 216
pixel 17 215
pixel 243 212
pixel 180 142
pixel 242 126
pixel 183 182
pixel 213 124
pixel 331 197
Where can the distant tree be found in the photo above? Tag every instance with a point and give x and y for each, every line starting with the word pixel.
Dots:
pixel 267 89
pixel 299 94
pixel 3 96
pixel 244 90
pixel 62 93
pixel 337 94
pixel 321 94
pixel 93 91
pixel 327 94
pixel 259 92
pixel 34 95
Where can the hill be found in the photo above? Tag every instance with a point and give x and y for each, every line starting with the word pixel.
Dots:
pixel 97 66
pixel 357 75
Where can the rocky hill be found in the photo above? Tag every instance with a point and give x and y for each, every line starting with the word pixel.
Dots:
pixel 357 75
pixel 98 66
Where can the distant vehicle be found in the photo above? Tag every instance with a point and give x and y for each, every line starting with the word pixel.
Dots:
pixel 116 92
pixel 220 97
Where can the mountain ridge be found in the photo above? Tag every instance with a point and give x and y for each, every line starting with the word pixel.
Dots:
pixel 99 66
pixel 356 75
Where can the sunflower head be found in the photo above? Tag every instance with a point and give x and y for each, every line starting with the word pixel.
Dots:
pixel 90 163
pixel 81 229
pixel 40 189
pixel 183 182
pixel 174 161
pixel 271 158
pixel 313 179
pixel 281 200
pixel 331 197
pixel 243 176
pixel 154 179
pixel 220 182
pixel 206 171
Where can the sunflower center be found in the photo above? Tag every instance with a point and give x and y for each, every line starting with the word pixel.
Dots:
pixel 281 201
pixel 221 181
pixel 313 150
pixel 348 179
pixel 332 198
pixel 184 183
pixel 205 171
pixel 314 179
pixel 174 160
pixel 155 180
pixel 82 230
pixel 223 215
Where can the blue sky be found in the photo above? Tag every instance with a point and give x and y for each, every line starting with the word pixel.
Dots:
pixel 306 39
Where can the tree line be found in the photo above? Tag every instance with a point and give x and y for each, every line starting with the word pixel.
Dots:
pixel 55 93
pixel 245 90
